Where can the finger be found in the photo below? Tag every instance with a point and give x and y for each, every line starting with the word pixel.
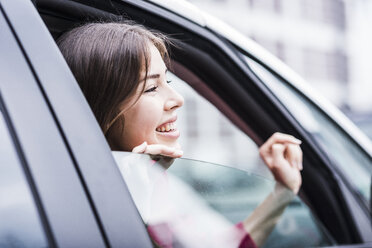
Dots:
pixel 177 154
pixel 278 154
pixel 296 156
pixel 299 158
pixel 158 149
pixel 280 138
pixel 141 148
pixel 300 166
pixel 292 155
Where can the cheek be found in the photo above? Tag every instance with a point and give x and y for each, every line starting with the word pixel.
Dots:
pixel 142 121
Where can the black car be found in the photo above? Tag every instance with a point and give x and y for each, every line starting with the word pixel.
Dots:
pixel 60 185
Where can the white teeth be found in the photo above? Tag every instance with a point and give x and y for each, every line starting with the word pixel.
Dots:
pixel 167 127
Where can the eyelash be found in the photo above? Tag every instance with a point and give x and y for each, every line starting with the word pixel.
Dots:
pixel 152 89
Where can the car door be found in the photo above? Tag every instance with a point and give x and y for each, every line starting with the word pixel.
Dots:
pixel 39 164
pixel 215 69
pixel 78 199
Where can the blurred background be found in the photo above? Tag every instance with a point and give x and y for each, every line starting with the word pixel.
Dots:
pixel 327 42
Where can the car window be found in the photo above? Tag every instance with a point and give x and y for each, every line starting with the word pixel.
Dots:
pixel 353 162
pixel 200 204
pixel 207 135
pixel 20 224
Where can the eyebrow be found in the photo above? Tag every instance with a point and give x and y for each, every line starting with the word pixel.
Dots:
pixel 152 76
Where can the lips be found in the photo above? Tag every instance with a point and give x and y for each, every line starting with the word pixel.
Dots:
pixel 168 128
pixel 168 125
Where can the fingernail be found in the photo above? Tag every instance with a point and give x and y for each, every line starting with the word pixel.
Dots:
pixel 178 153
pixel 300 166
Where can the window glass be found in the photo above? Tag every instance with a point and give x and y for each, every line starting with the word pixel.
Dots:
pixel 20 224
pixel 200 204
pixel 207 135
pixel 355 165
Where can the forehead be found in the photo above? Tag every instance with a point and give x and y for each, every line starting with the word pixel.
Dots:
pixel 157 64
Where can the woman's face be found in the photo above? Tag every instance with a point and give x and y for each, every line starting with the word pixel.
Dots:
pixel 153 117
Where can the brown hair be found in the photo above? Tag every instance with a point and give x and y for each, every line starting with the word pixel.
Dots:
pixel 107 60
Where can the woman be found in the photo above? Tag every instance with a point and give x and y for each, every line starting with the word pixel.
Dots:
pixel 121 69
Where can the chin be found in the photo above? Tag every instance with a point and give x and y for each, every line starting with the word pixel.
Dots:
pixel 171 144
pixel 177 145
pixel 167 141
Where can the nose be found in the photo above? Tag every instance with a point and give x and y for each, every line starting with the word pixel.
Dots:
pixel 174 100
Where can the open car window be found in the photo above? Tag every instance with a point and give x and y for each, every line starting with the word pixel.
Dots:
pixel 227 195
pixel 199 204
pixel 354 164
pixel 208 135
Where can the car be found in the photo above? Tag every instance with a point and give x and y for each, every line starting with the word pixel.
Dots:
pixel 60 185
pixel 362 121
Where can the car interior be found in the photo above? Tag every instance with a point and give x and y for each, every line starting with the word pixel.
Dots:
pixel 212 66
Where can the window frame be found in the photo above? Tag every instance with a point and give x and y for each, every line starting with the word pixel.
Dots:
pixel 334 165
pixel 24 176
pixel 353 200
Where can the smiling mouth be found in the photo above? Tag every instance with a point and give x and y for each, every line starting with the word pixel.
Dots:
pixel 167 127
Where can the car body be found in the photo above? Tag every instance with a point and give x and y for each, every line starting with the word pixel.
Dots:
pixel 363 122
pixel 65 165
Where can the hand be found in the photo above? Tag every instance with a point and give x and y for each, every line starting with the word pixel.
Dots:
pixel 158 149
pixel 283 156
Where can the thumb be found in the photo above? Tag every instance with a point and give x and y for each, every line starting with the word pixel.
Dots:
pixel 141 148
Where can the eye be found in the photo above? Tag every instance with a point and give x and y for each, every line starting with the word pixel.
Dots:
pixel 151 89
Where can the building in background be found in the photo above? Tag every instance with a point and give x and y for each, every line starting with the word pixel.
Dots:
pixel 328 42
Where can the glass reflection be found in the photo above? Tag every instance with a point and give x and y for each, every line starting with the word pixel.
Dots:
pixel 199 204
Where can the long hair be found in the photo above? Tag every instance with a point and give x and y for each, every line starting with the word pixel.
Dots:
pixel 107 60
